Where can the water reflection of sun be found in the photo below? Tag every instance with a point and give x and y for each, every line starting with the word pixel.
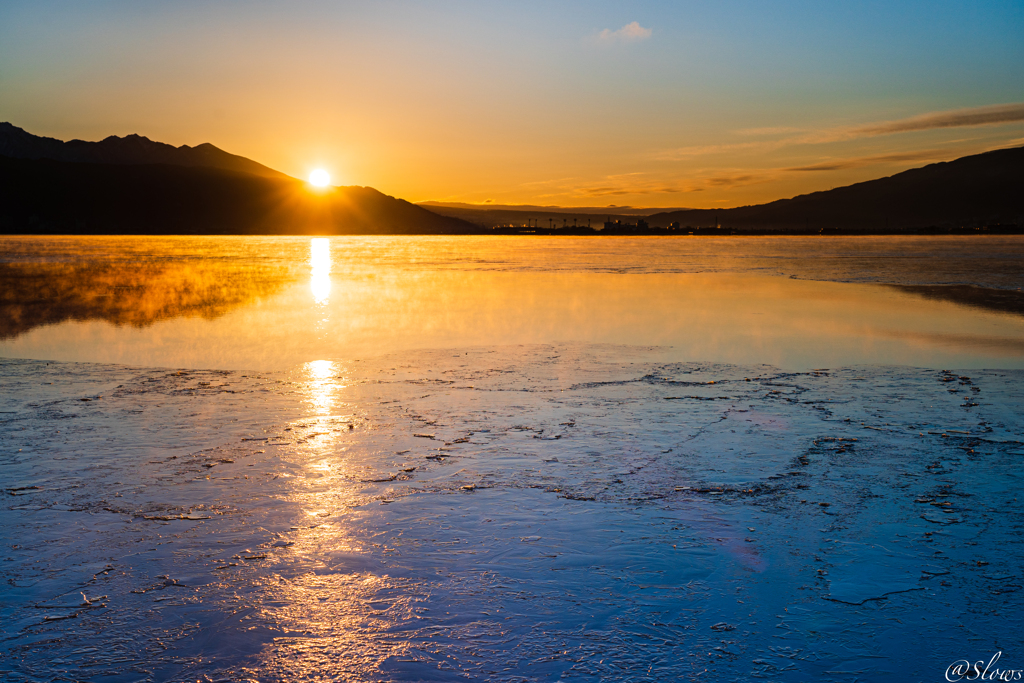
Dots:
pixel 320 269
pixel 321 384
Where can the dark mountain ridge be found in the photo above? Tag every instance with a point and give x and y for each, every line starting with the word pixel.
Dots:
pixel 132 185
pixel 982 189
pixel 56 197
pixel 130 149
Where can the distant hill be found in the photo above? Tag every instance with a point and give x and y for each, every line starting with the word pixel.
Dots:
pixel 131 150
pixel 193 190
pixel 982 189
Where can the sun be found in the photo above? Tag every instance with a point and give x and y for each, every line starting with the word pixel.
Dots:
pixel 319 178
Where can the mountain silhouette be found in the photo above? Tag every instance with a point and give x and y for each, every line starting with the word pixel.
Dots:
pixel 978 190
pixel 131 150
pixel 132 185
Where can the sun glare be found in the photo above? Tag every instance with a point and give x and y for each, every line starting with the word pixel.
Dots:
pixel 319 178
pixel 321 385
pixel 320 269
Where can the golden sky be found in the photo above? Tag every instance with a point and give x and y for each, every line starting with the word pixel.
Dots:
pixel 661 104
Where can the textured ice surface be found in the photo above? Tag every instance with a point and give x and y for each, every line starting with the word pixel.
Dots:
pixel 507 513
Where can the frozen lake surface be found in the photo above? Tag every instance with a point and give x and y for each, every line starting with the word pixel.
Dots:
pixel 608 502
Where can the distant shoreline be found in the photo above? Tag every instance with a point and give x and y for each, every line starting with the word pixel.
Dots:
pixel 1000 229
pixel 989 230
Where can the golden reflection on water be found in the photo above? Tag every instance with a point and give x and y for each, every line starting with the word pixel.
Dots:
pixel 245 303
pixel 322 383
pixel 320 270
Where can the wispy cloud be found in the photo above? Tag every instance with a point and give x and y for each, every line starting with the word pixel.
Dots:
pixel 629 33
pixel 858 162
pixel 726 179
pixel 681 153
pixel 772 130
pixel 957 118
pixel 715 181
pixel 953 118
pixel 626 185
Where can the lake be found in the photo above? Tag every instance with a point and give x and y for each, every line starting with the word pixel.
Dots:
pixel 273 303
pixel 510 459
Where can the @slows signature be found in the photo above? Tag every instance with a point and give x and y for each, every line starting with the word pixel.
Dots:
pixel 963 670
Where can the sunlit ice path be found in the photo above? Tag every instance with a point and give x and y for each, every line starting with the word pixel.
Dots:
pixel 345 461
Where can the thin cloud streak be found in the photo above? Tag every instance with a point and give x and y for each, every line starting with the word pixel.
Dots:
pixel 725 180
pixel 626 184
pixel 682 153
pixel 772 130
pixel 958 118
pixel 955 118
pixel 859 162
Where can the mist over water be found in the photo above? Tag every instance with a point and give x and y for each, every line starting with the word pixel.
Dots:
pixel 273 303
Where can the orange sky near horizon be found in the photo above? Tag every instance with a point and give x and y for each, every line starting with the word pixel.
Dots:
pixel 656 104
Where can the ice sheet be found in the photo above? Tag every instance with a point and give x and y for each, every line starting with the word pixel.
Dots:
pixel 588 512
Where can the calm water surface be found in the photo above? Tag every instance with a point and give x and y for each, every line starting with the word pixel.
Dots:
pixel 275 302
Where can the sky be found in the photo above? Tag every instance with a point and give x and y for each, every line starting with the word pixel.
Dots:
pixel 655 104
